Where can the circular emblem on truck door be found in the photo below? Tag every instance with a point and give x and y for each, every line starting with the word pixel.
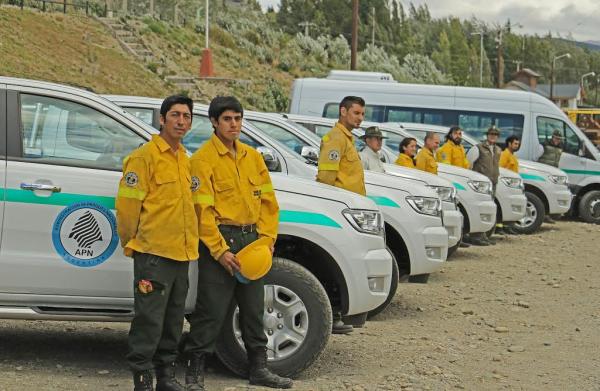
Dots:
pixel 85 234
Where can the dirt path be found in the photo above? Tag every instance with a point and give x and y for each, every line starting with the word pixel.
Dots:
pixel 524 314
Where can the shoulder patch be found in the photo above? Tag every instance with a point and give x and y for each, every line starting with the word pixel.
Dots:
pixel 334 155
pixel 195 183
pixel 131 179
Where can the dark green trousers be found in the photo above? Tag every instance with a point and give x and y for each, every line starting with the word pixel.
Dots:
pixel 217 292
pixel 158 321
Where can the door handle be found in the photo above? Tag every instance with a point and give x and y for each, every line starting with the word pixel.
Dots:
pixel 40 186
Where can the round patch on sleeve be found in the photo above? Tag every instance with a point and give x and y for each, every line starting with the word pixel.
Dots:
pixel 195 183
pixel 131 179
pixel 334 155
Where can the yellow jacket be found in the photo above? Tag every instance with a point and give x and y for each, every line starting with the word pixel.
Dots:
pixel 155 212
pixel 231 190
pixel 425 161
pixel 509 161
pixel 339 162
pixel 453 154
pixel 405 161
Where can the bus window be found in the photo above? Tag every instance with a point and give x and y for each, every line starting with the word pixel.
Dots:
pixel 401 114
pixel 476 124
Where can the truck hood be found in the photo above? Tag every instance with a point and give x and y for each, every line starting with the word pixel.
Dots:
pixel 416 175
pixel 508 173
pixel 463 172
pixel 314 189
pixel 530 166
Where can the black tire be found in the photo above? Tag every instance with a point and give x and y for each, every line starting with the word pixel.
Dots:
pixel 294 278
pixel 536 212
pixel 589 207
pixel 452 250
pixel 393 288
pixel 419 278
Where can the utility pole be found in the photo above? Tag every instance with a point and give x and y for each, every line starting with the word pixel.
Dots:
pixel 373 28
pixel 354 45
pixel 518 64
pixel 152 8
pixel 567 55
pixel 306 26
pixel 596 97
pixel 500 59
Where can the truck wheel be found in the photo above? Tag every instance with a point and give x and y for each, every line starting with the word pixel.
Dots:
pixel 419 278
pixel 452 250
pixel 297 322
pixel 534 215
pixel 393 288
pixel 589 207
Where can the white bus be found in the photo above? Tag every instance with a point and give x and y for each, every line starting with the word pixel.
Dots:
pixel 525 114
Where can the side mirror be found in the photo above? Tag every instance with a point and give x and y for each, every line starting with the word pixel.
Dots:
pixel 310 153
pixel 270 158
pixel 581 151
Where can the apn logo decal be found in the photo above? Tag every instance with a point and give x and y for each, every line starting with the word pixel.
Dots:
pixel 85 234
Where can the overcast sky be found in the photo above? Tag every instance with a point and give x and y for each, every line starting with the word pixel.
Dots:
pixel 581 18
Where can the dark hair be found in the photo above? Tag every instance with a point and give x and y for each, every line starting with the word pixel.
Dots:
pixel 512 138
pixel 173 100
pixel 429 135
pixel 405 143
pixel 220 104
pixel 453 129
pixel 348 101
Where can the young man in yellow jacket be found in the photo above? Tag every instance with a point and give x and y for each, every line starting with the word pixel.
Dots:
pixel 453 152
pixel 425 160
pixel 508 159
pixel 236 205
pixel 157 226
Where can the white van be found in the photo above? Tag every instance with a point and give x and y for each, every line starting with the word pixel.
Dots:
pixel 546 187
pixel 61 157
pixel 473 190
pixel 526 114
pixel 415 230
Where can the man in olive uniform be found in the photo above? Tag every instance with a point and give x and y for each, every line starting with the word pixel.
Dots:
pixel 453 152
pixel 485 159
pixel 158 227
pixel 235 204
pixel 552 150
pixel 340 166
pixel 425 160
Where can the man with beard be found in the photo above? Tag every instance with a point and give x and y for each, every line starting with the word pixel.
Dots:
pixel 453 152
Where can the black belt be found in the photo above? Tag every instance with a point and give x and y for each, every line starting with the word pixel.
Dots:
pixel 245 229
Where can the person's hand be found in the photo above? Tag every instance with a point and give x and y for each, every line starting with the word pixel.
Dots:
pixel 229 262
pixel 272 248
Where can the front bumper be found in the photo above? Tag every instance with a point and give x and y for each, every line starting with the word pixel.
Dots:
pixel 513 207
pixel 431 252
pixel 453 222
pixel 482 216
pixel 371 285
pixel 559 200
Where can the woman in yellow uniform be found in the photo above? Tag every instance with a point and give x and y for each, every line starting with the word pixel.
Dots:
pixel 408 150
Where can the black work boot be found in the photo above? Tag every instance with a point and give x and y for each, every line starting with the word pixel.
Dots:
pixel 260 375
pixel 338 326
pixel 194 373
pixel 143 381
pixel 165 379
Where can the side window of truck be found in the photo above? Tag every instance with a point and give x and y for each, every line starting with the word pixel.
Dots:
pixel 146 115
pixel 545 127
pixel 57 131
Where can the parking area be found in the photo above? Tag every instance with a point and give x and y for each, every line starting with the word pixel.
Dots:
pixel 523 314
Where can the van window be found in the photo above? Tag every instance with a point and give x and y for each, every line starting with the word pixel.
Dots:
pixel 372 113
pixel 476 124
pixel 545 127
pixel 57 131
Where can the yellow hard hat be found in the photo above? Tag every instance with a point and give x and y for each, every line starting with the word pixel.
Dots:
pixel 255 259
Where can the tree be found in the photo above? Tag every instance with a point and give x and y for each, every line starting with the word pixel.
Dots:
pixel 442 56
pixel 420 69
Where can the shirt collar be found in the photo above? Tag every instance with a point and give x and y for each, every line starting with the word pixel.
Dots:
pixel 163 146
pixel 223 150
pixel 344 130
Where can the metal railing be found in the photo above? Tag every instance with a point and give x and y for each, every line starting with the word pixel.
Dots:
pixel 90 7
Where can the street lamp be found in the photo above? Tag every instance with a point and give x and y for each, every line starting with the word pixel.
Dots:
pixel 480 33
pixel 567 55
pixel 583 79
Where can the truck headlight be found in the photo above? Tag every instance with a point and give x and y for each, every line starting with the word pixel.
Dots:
pixel 425 205
pixel 447 194
pixel 482 187
pixel 366 221
pixel 559 179
pixel 515 183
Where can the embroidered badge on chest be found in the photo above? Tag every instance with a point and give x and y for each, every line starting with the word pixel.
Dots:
pixel 257 193
pixel 195 183
pixel 131 179
pixel 334 155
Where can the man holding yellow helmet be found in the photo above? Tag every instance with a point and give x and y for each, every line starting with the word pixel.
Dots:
pixel 238 217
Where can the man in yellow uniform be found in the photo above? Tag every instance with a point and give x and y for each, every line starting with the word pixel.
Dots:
pixel 339 162
pixel 340 165
pixel 508 159
pixel 158 227
pixel 236 205
pixel 453 152
pixel 425 160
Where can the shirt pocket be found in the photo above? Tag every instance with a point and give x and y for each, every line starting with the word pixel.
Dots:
pixel 167 186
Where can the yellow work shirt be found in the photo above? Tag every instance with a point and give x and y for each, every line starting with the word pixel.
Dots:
pixel 425 161
pixel 405 161
pixel 339 162
pixel 232 190
pixel 155 211
pixel 452 154
pixel 509 161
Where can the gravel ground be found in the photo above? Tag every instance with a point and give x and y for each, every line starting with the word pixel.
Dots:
pixel 524 314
